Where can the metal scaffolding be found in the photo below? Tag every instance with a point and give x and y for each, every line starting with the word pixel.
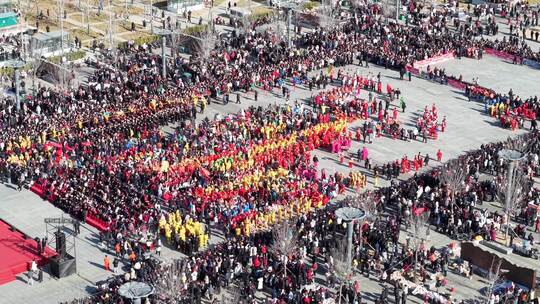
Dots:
pixel 53 225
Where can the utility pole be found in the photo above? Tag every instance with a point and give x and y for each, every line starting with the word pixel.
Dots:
pixel 289 7
pixel 174 42
pixel 289 12
pixel 17 90
pixel 61 15
pixel 111 41
pixel 164 33
pixel 397 10
pixel 88 17
pixel 17 65
pixel 211 18
pixel 21 36
pixel 152 16
pixel 37 61
pixel 164 56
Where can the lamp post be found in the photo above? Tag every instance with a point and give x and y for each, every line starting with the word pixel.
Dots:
pixel 163 33
pixel 135 291
pixel 350 215
pixel 513 158
pixel 289 7
pixel 289 11
pixel 16 65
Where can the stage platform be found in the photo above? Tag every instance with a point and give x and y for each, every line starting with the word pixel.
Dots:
pixel 17 251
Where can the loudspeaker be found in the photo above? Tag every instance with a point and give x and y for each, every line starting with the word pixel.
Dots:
pixel 62 267
pixel 60 243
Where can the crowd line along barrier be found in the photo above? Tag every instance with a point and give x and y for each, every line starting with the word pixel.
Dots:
pixel 500 54
pixel 533 64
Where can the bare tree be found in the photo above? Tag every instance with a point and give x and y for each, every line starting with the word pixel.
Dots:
pixel 35 64
pixel 231 295
pixel 453 175
pixel 427 4
pixel 285 243
pixel 206 45
pixel 169 285
pixel 246 23
pixel 511 193
pixel 493 276
pixel 340 268
pixel 356 4
pixel 275 25
pixel 420 229
pixel 521 144
pixel 176 40
pixel 388 9
pixel 327 18
pixel 369 203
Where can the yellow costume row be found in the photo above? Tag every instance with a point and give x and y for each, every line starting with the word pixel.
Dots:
pixel 357 179
pixel 277 214
pixel 173 223
pixel 272 178
pixel 237 161
pixel 496 109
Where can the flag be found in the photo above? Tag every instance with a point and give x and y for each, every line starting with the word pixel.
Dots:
pixel 418 211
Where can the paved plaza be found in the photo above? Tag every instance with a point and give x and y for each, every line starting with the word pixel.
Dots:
pixel 497 74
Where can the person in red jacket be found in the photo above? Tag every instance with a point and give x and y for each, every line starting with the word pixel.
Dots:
pixel 439 155
pixel 309 275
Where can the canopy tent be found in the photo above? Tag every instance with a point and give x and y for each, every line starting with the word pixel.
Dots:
pixel 6 6
pixel 48 44
pixel 179 6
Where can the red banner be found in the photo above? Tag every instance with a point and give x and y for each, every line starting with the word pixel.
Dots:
pixel 413 71
pixel 434 60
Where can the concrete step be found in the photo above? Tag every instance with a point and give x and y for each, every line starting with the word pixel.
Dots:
pixel 497 247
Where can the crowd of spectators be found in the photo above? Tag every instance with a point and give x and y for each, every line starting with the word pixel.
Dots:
pixel 254 263
pixel 99 152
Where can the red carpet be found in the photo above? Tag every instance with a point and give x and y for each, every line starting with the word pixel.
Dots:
pixel 16 253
